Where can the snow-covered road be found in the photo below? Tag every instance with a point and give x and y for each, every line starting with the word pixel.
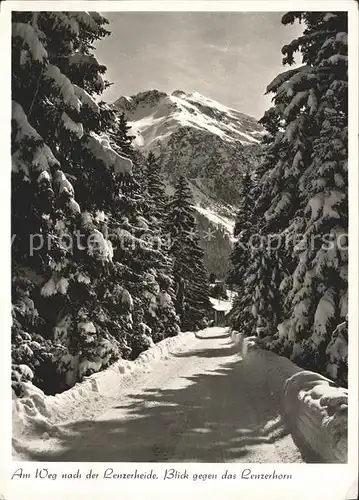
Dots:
pixel 201 402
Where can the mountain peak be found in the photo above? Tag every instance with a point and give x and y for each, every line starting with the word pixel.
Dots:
pixel 155 116
pixel 147 96
pixel 178 93
pixel 207 142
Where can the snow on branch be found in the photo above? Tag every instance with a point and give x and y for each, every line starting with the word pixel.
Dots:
pixel 79 58
pixel 287 76
pixel 69 124
pixel 279 79
pixel 99 82
pixel 324 313
pixel 126 298
pixel 44 177
pixel 342 38
pixel 279 207
pixel 86 99
pixel 73 206
pixel 68 22
pixel 18 164
pixel 331 202
pixel 312 102
pixel 296 102
pixel 74 21
pixel 24 129
pixel 327 203
pixel 29 36
pixel 99 246
pixel 64 85
pixel 337 349
pixel 293 128
pixel 54 286
pixel 63 184
pixel 43 157
pixel 328 16
pixel 86 19
pixel 128 238
pixel 101 149
pixel 336 58
pixel 97 17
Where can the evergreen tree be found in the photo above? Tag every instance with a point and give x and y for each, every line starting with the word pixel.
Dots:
pixel 212 278
pixel 192 287
pixel 240 315
pixel 317 298
pixel 255 262
pixel 120 133
pixel 242 230
pixel 51 120
pixel 85 292
pixel 157 198
pixel 124 139
pixel 302 199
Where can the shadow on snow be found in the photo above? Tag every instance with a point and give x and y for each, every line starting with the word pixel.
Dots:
pixel 206 421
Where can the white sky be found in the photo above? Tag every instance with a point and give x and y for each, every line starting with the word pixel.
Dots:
pixel 228 56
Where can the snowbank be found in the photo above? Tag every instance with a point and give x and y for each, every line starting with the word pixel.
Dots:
pixel 239 341
pixel 37 412
pixel 316 410
pixel 314 407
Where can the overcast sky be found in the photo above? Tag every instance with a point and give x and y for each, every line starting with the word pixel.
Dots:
pixel 228 56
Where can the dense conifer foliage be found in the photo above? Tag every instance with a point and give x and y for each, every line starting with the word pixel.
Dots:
pixel 295 293
pixel 89 285
pixel 192 285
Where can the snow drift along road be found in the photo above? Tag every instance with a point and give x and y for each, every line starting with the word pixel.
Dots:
pixel 196 400
pixel 316 411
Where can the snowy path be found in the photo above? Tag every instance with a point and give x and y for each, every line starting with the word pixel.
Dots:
pixel 201 403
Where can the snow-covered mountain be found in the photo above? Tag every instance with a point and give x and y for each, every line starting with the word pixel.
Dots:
pixel 155 116
pixel 209 143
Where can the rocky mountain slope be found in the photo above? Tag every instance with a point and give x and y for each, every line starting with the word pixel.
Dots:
pixel 210 144
pixel 155 116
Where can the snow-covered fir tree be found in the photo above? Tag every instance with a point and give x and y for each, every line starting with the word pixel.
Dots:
pixel 254 258
pixel 86 282
pixel 120 134
pixel 156 190
pixel 124 138
pixel 191 280
pixel 242 230
pixel 242 312
pixel 303 200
